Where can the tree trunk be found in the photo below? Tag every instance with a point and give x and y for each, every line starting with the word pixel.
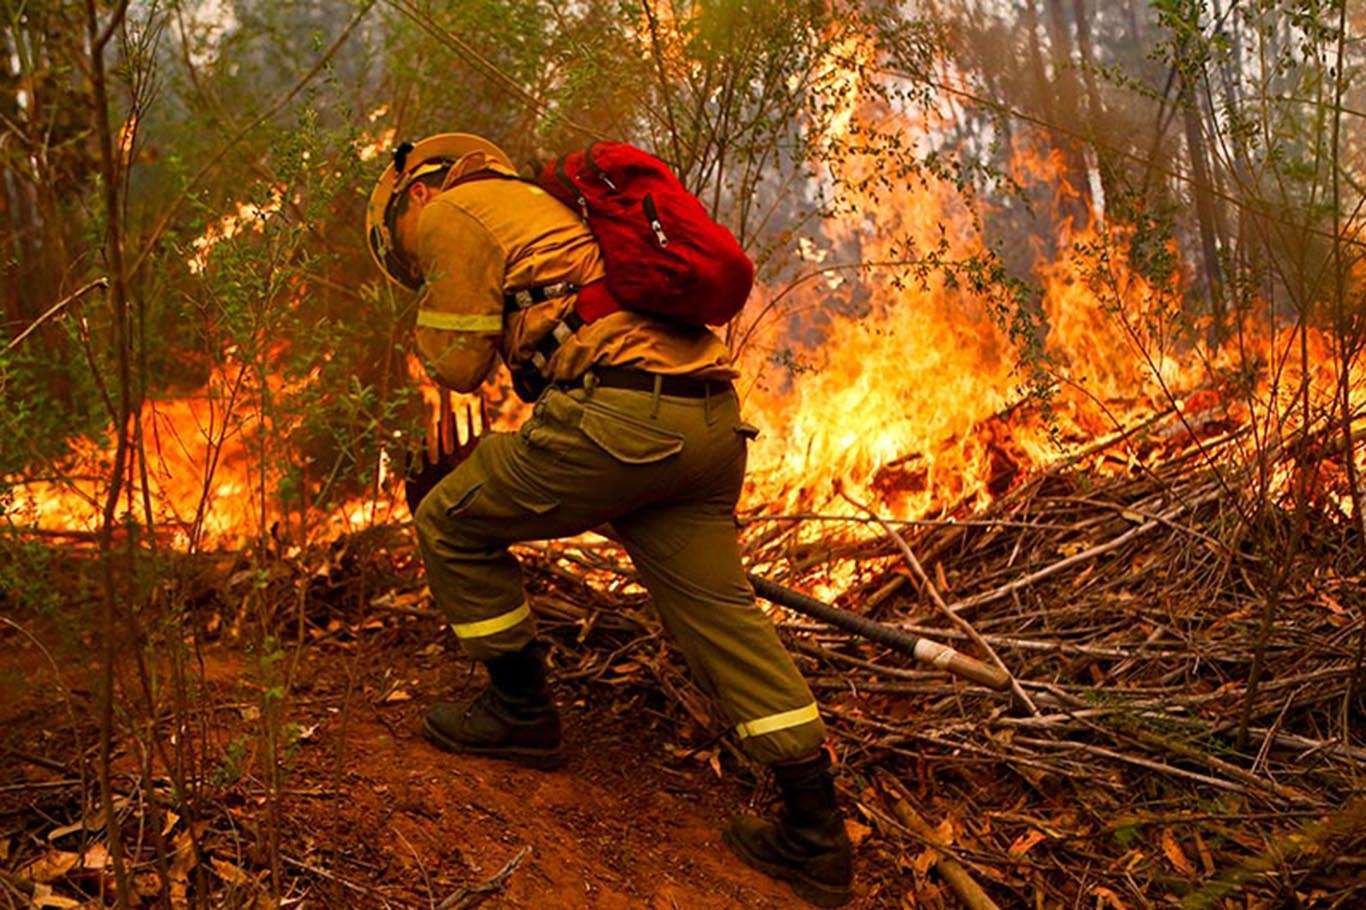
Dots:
pixel 1204 208
pixel 1067 94
pixel 1095 111
pixel 1042 88
pixel 1094 108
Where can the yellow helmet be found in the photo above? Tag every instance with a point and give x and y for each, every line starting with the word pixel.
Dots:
pixel 459 153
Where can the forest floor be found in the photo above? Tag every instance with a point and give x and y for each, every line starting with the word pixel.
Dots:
pixel 369 813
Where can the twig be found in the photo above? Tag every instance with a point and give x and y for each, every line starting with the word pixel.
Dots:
pixel 473 895
pixel 345 883
pixel 924 579
pixel 1011 587
pixel 1151 765
pixel 54 310
pixel 40 785
pixel 421 867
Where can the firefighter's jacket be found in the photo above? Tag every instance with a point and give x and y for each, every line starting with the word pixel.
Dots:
pixel 481 238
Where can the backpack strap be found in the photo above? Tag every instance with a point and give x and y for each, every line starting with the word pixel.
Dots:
pixel 526 298
pixel 594 302
pixel 574 192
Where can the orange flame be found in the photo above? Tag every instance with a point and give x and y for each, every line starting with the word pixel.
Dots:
pixel 907 392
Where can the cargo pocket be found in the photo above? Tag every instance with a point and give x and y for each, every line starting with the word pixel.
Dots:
pixel 553 423
pixel 627 440
pixel 499 504
pixel 465 501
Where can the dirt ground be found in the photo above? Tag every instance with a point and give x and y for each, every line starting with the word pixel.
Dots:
pixel 371 815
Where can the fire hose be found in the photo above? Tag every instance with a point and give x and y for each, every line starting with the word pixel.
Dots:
pixel 922 649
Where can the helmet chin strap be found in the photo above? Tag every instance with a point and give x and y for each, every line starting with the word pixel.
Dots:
pixel 402 184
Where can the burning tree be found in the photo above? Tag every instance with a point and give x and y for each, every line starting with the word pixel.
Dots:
pixel 1056 354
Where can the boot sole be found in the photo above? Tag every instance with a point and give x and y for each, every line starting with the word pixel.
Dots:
pixel 808 889
pixel 540 759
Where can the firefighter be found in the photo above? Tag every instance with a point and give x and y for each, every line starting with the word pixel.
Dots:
pixel 636 425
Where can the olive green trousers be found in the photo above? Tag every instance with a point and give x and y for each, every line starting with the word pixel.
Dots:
pixel 665 472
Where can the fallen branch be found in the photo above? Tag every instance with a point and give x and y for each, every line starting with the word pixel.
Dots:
pixel 1009 588
pixel 959 879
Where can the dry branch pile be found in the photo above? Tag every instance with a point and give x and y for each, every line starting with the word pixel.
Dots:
pixel 1132 767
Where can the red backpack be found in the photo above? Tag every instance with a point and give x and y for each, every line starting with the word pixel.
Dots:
pixel 663 253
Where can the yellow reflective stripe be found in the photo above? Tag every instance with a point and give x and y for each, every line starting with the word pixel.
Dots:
pixel 460 322
pixel 775 722
pixel 486 627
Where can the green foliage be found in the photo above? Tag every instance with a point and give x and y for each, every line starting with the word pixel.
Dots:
pixel 26 575
pixel 1127 835
pixel 233 762
pixel 44 404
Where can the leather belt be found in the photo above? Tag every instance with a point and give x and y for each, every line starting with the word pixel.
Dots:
pixel 642 381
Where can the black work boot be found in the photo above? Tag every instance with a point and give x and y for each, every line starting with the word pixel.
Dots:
pixel 514 718
pixel 807 846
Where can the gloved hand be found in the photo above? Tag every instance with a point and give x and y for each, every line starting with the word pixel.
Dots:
pixel 443 451
pixel 528 384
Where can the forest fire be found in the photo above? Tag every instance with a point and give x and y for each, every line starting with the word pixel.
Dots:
pixel 905 388
pixel 205 475
pixel 1046 582
pixel 912 398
